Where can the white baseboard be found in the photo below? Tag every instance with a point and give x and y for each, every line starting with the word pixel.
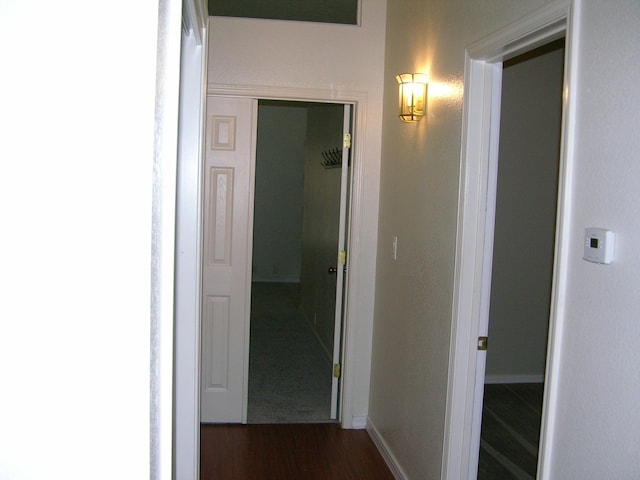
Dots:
pixel 513 379
pixel 389 458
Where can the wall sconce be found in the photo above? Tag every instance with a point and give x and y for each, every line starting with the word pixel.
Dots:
pixel 412 101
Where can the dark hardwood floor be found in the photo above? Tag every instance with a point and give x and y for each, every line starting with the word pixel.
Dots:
pixel 289 451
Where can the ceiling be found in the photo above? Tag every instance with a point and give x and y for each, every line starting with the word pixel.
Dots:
pixel 326 11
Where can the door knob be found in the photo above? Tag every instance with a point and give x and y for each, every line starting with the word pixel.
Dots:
pixel 332 270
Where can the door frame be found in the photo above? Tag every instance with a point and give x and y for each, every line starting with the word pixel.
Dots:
pixel 186 314
pixel 188 259
pixel 341 267
pixel 476 202
pixel 355 217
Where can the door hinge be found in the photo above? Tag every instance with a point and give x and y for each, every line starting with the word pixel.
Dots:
pixel 346 141
pixel 342 257
pixel 336 370
pixel 482 343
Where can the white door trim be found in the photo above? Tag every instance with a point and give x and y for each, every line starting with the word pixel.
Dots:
pixel 476 201
pixel 186 426
pixel 356 213
pixel 341 266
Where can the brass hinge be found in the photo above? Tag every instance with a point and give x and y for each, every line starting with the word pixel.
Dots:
pixel 482 343
pixel 336 370
pixel 342 257
pixel 346 142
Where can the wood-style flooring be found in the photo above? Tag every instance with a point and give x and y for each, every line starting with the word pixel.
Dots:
pixel 288 452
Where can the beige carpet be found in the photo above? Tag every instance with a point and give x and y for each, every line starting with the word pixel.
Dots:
pixel 289 373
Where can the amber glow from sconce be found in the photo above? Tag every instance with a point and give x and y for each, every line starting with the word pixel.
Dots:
pixel 412 100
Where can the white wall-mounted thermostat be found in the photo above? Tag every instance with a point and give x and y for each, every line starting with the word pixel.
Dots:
pixel 598 245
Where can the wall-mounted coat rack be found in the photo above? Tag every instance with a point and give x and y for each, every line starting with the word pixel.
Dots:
pixel 332 158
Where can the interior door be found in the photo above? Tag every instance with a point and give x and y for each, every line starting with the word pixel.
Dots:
pixel 341 261
pixel 228 181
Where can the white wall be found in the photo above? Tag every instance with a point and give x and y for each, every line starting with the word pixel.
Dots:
pixel 277 225
pixel 77 128
pixel 336 59
pixel 525 218
pixel 595 432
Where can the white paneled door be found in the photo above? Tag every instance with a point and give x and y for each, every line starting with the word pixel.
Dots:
pixel 228 180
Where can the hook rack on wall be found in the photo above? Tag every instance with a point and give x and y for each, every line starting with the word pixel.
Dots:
pixel 332 158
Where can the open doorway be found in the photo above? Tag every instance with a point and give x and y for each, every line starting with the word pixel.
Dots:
pixel 294 276
pixel 476 221
pixel 229 188
pixel 522 264
pixel 190 251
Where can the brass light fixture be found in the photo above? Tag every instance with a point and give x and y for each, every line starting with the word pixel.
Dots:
pixel 412 100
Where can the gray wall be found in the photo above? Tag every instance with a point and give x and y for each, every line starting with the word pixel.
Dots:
pixel 525 218
pixel 278 206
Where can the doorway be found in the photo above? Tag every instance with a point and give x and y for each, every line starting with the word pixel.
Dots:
pixel 522 263
pixel 294 277
pixel 230 187
pixel 190 251
pixel 474 245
